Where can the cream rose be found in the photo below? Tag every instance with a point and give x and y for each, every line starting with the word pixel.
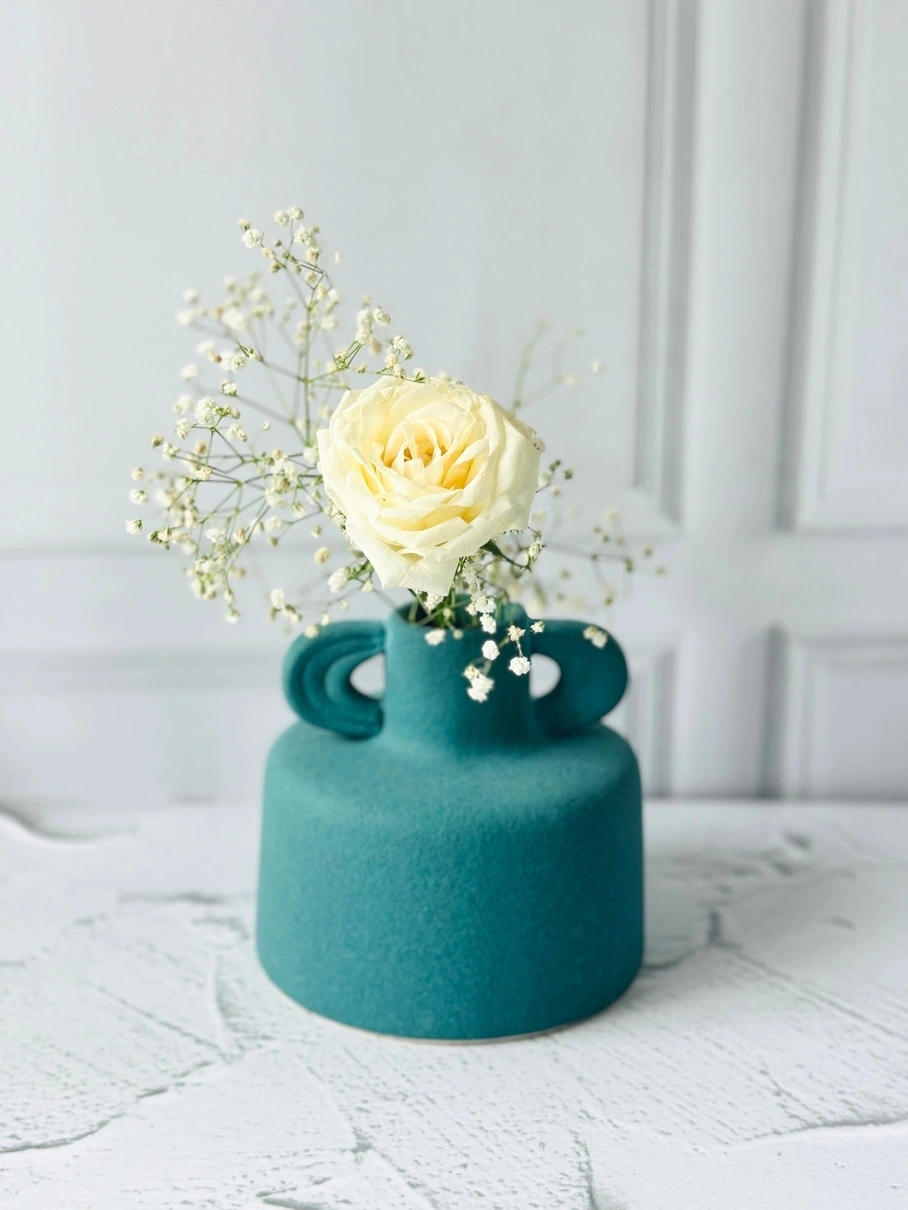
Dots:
pixel 426 473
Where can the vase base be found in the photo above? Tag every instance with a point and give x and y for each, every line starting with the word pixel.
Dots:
pixel 425 1040
pixel 511 906
pixel 422 1040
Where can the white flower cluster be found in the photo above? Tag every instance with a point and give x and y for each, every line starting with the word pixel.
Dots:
pixel 268 358
pixel 481 683
pixel 230 491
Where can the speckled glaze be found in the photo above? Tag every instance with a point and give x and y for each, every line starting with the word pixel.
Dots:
pixel 434 867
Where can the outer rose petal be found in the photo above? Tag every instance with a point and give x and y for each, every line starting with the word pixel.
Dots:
pixel 396 571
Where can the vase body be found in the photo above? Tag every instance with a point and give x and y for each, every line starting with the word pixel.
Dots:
pixel 436 867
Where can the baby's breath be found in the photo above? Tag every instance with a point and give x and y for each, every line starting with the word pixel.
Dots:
pixel 594 635
pixel 272 353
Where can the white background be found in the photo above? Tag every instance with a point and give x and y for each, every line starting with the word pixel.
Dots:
pixel 715 191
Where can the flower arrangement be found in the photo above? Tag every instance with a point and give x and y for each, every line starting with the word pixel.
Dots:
pixel 434 487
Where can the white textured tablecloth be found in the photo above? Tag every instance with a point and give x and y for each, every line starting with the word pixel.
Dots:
pixel 761 1058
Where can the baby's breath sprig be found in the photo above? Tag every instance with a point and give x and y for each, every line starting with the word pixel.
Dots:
pixel 263 362
pixel 268 357
pixel 558 376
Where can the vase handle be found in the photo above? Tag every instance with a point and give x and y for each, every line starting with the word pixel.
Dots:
pixel 317 678
pixel 593 679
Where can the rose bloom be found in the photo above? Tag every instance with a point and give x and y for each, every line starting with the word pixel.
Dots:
pixel 426 473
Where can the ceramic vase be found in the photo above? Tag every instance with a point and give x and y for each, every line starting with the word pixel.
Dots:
pixel 437 867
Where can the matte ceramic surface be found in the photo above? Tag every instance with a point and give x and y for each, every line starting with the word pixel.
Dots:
pixel 440 868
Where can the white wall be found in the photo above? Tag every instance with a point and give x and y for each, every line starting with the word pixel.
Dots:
pixel 714 190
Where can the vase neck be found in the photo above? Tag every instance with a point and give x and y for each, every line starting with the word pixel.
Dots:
pixel 426 693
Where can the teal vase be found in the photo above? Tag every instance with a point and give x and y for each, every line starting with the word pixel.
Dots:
pixel 436 867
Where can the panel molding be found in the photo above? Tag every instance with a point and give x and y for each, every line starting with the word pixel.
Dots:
pixel 645 716
pixel 154 725
pixel 800 664
pixel 665 260
pixel 812 495
pixel 156 670
pixel 30 680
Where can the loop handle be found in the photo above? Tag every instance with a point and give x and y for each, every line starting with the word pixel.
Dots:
pixel 317 678
pixel 593 679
